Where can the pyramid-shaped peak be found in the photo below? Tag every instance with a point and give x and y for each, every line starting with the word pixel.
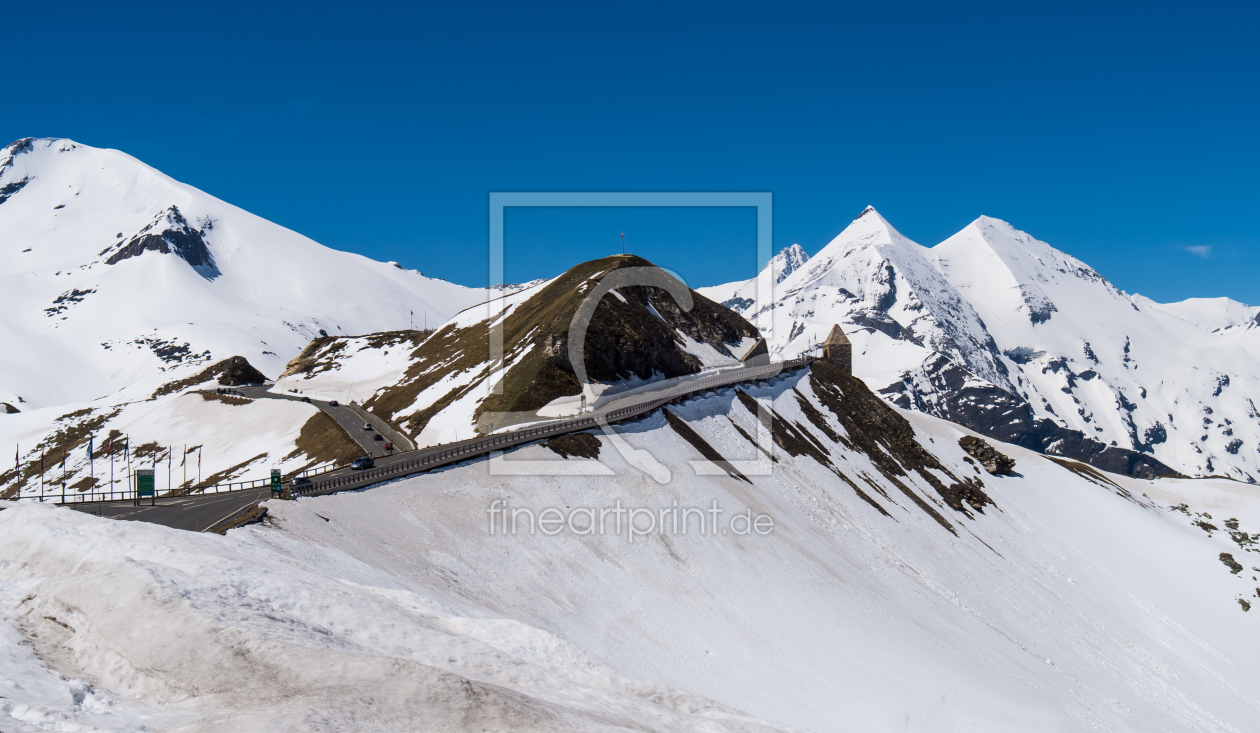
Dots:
pixel 869 228
pixel 1000 237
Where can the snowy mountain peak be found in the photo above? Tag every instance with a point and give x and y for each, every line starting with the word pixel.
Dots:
pixel 867 228
pixel 788 261
pixel 1002 332
pixel 995 243
pixel 118 274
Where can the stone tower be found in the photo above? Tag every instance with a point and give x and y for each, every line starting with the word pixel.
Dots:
pixel 838 350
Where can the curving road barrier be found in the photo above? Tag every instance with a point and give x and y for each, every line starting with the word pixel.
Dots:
pixel 427 459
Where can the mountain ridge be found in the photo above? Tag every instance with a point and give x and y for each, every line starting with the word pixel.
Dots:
pixel 1022 342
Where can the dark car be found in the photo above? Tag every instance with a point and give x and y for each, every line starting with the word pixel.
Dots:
pixel 367 426
pixel 332 403
pixel 361 463
pixel 377 437
pixel 299 482
pixel 306 400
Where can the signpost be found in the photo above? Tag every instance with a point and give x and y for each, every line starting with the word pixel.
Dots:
pixel 276 486
pixel 144 485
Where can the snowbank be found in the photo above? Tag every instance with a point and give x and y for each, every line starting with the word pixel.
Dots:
pixel 1072 603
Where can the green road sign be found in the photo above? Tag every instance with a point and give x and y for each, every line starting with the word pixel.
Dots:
pixel 275 480
pixel 144 482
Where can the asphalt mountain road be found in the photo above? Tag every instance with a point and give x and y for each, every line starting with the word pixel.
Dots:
pixel 195 513
pixel 348 419
pixel 203 512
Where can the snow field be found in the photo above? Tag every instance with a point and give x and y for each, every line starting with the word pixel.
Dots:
pixel 1067 606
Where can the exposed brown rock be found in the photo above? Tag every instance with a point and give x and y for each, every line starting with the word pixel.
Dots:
pixel 236 371
pixel 996 463
pixel 583 445
pixel 233 372
pixel 887 438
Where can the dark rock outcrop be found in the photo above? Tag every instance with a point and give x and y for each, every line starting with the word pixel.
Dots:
pixel 169 233
pixel 233 372
pixel 9 409
pixel 953 394
pixel 236 371
pixel 583 445
pixel 11 188
pixel 888 439
pixel 993 461
pixel 1234 566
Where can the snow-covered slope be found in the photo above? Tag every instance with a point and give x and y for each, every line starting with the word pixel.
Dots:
pixel 1001 332
pixel 739 295
pixel 112 274
pixel 1176 380
pixel 899 588
pixel 187 431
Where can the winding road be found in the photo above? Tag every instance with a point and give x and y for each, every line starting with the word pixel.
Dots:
pixel 206 512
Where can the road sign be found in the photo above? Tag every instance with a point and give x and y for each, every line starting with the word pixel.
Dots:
pixel 144 483
pixel 275 481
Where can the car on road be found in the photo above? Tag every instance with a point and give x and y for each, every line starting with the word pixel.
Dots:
pixel 389 447
pixel 299 482
pixel 377 437
pixel 333 403
pixel 361 463
pixel 367 426
pixel 307 400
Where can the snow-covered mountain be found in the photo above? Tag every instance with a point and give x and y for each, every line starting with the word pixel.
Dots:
pixel 112 273
pixel 1001 332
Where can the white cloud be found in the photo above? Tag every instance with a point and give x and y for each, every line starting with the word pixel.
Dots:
pixel 1202 250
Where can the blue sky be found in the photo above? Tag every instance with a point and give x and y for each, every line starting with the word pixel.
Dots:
pixel 1125 134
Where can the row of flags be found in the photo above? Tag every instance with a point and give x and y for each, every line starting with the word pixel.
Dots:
pixel 109 451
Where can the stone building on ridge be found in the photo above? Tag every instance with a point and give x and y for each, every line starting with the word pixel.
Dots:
pixel 838 350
